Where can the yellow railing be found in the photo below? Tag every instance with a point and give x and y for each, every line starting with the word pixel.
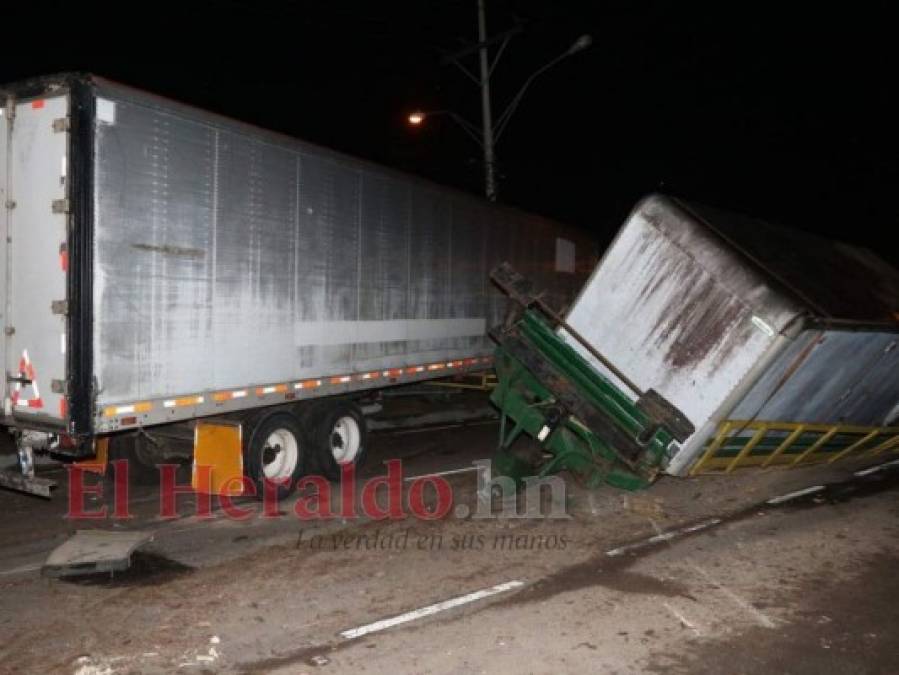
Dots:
pixel 744 443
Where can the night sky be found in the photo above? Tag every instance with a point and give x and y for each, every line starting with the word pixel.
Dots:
pixel 776 110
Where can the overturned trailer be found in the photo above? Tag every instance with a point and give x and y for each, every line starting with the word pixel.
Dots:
pixel 163 264
pixel 706 341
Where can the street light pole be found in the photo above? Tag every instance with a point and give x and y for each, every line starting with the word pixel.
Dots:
pixel 489 134
pixel 486 111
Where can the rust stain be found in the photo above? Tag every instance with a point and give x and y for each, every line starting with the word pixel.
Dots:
pixel 704 325
pixel 699 315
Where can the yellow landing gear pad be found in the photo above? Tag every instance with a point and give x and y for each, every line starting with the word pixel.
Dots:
pixel 218 458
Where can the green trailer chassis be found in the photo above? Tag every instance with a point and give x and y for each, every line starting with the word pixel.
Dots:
pixel 583 422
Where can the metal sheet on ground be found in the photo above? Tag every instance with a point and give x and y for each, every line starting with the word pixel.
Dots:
pixel 92 551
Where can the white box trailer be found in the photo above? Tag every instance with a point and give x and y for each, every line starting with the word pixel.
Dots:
pixel 779 346
pixel 162 264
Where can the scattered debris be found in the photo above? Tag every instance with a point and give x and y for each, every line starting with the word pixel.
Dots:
pixel 644 505
pixel 85 665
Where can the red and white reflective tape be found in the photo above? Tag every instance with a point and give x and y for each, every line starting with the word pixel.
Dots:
pixel 26 371
pixel 391 374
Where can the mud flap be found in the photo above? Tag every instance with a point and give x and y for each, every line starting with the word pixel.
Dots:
pixel 218 458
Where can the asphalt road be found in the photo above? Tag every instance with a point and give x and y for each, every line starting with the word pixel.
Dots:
pixel 693 576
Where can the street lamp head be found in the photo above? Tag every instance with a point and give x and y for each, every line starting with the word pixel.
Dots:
pixel 580 44
pixel 416 118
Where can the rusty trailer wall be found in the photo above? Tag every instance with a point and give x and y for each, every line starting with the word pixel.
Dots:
pixel 687 301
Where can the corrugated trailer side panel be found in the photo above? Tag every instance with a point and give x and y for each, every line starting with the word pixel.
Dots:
pixel 829 376
pixel 228 257
pixel 830 394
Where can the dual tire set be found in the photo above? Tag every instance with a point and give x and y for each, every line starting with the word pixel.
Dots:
pixel 281 445
pixel 319 437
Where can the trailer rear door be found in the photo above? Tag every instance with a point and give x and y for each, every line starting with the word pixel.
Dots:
pixel 4 227
pixel 36 258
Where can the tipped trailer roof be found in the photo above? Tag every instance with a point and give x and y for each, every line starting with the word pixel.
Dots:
pixel 837 283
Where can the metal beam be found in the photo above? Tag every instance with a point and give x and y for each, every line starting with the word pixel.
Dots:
pixel 34 486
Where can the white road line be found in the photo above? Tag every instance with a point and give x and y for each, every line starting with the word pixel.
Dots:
pixel 873 469
pixel 763 619
pixel 662 536
pixel 793 495
pixel 683 619
pixel 384 624
pixel 22 569
pixel 449 472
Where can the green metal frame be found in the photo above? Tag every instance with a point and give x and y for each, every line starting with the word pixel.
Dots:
pixel 525 401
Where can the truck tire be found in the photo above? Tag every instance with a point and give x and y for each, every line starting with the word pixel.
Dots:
pixel 275 450
pixel 339 436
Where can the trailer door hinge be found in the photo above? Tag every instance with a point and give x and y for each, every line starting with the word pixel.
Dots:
pixel 61 124
pixel 10 204
pixel 61 206
pixel 9 330
pixel 60 307
pixel 58 386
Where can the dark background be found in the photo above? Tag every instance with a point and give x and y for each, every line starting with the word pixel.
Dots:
pixel 784 110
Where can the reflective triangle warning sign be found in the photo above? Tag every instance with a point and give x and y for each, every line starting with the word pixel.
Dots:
pixel 25 394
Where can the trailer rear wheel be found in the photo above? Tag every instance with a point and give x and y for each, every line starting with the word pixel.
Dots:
pixel 275 451
pixel 339 437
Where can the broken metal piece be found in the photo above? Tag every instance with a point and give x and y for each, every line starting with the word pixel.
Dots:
pixel 666 414
pixel 35 486
pixel 93 551
pixel 27 442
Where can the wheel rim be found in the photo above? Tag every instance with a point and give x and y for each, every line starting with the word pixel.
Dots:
pixel 346 440
pixel 280 455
